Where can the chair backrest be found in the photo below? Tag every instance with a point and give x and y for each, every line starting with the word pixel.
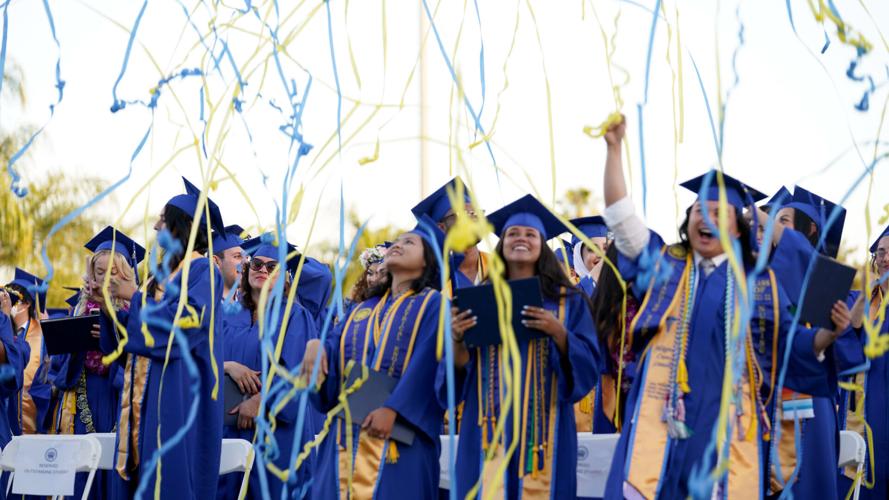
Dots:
pixel 852 448
pixel 107 441
pixel 87 456
pixel 236 455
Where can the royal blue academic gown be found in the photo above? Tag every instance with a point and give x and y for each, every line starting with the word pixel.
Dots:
pixel 588 285
pixel 575 374
pixel 242 345
pixel 415 472
pixel 314 289
pixel 820 434
pixel 149 412
pixel 17 354
pixel 876 413
pixel 705 362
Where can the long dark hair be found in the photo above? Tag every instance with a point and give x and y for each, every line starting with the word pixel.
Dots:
pixel 247 290
pixel 549 270
pixel 431 276
pixel 607 303
pixel 178 223
pixel 744 236
pixel 362 291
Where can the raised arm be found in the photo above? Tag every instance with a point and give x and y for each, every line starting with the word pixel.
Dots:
pixel 631 235
pixel 615 187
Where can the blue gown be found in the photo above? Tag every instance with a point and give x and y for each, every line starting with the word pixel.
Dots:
pixel 566 380
pixel 242 345
pixel 17 354
pixel 190 468
pixel 820 435
pixel 705 365
pixel 876 414
pixel 415 470
pixel 30 413
pixel 314 289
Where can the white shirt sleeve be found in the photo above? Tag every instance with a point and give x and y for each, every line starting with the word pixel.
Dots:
pixel 630 233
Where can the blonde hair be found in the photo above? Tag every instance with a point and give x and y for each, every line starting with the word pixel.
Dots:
pixel 125 272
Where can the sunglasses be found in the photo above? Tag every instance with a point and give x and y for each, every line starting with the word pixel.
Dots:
pixel 269 266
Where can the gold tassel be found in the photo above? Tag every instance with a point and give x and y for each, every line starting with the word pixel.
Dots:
pixel 585 405
pixel 392 453
pixel 682 377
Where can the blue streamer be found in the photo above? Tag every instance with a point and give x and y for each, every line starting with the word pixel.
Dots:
pixel 336 78
pixel 716 141
pixel 117 105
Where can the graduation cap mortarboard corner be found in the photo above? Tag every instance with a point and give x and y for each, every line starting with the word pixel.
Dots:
pixel 873 248
pixel 188 203
pixel 438 204
pixel 737 194
pixel 113 239
pixel 527 211
pixel 591 227
pixel 30 283
pixel 779 199
pixel 427 229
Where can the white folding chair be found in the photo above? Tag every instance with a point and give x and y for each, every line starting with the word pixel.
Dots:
pixel 444 471
pixel 237 456
pixel 87 456
pixel 853 450
pixel 106 441
pixel 594 454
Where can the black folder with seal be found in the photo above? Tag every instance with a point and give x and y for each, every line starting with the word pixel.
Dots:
pixel 482 302
pixel 829 282
pixel 373 394
pixel 70 335
pixel 232 397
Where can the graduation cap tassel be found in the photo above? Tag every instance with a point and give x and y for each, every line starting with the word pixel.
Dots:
pixel 392 453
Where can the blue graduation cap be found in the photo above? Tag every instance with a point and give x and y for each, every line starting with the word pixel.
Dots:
pixel 873 248
pixel 265 246
pixel 527 211
pixel 437 204
pixel 230 238
pixel 591 227
pixel 30 283
pixel 188 203
pixel 114 240
pixel 819 209
pixel 74 299
pixel 780 199
pixel 737 193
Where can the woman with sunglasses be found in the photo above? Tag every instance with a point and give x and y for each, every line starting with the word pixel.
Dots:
pixel 392 336
pixel 557 370
pixel 167 402
pixel 244 350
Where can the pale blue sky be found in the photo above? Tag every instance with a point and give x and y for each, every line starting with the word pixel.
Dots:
pixel 786 120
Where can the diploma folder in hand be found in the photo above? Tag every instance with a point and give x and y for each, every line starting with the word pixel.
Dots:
pixel 70 335
pixel 481 299
pixel 372 394
pixel 829 282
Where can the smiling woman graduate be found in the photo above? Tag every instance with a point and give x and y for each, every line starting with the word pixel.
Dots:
pixel 683 333
pixel 557 371
pixel 393 334
pixel 157 395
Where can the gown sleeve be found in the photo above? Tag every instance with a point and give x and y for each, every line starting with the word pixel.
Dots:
pixel 18 352
pixel 411 396
pixel 159 315
pixel 300 329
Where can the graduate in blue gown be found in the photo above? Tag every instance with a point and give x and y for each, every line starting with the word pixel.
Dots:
pixel 395 334
pixel 801 218
pixel 870 404
pixel 30 413
pixel 229 256
pixel 243 355
pixel 586 261
pixel 159 387
pixel 471 266
pixel 557 370
pixel 88 390
pixel 14 355
pixel 689 301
